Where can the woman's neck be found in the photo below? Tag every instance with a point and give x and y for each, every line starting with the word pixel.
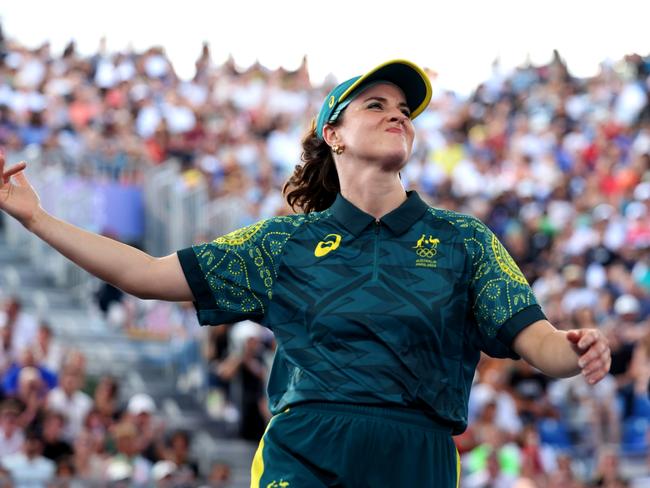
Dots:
pixel 376 193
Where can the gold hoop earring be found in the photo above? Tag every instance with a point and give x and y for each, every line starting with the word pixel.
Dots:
pixel 337 149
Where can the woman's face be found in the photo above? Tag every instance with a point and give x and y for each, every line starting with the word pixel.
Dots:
pixel 376 126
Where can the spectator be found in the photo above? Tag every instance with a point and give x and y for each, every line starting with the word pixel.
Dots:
pixel 481 427
pixel 141 412
pixel 89 458
pixel 7 356
pixel 127 462
pixel 216 352
pixel 640 372
pixel 219 476
pixel 47 350
pixel 106 399
pixel 564 475
pixel 11 432
pixel 22 326
pixel 178 451
pixel 28 468
pixel 247 363
pixel 68 399
pixel 490 475
pixel 31 395
pixel 66 474
pixel 529 388
pixel 10 381
pixel 492 386
pixel 54 446
pixel 537 460
pixel 107 295
pixel 608 469
pixel 164 474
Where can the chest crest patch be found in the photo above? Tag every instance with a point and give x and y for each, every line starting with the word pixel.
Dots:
pixel 426 249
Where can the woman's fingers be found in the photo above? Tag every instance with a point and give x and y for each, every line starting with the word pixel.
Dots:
pixel 593 349
pixel 21 179
pixel 596 362
pixel 15 169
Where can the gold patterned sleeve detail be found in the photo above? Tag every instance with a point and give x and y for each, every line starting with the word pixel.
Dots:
pixel 240 268
pixel 498 289
pixel 241 236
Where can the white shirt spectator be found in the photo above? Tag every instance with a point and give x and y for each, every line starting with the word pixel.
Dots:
pixel 148 119
pixel 195 94
pixel 577 105
pixel 47 350
pixel 575 298
pixel 74 407
pixel 282 148
pixel 11 444
pixel 105 74
pixel 31 73
pixel 248 157
pixel 179 118
pixel 629 103
pixel 156 66
pixel 467 180
pixel 641 144
pixel 25 329
pixel 506 410
pixel 125 70
pixel 29 473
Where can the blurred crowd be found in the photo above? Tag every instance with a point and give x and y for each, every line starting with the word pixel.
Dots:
pixel 557 166
pixel 61 428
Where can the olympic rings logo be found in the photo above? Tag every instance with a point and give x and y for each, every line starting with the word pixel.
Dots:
pixel 424 252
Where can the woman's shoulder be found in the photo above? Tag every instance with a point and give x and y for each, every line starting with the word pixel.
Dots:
pixel 294 221
pixel 456 219
pixel 300 218
pixel 283 224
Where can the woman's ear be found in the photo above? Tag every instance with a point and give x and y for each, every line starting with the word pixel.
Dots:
pixel 330 135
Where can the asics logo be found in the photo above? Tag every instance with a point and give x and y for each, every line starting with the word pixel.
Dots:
pixel 327 245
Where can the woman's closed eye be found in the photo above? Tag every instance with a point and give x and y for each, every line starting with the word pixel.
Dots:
pixel 379 105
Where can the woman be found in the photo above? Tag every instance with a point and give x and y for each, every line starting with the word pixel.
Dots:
pixel 379 303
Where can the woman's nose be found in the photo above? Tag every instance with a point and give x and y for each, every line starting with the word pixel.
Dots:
pixel 398 116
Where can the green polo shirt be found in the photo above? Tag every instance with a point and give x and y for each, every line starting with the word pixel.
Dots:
pixel 388 312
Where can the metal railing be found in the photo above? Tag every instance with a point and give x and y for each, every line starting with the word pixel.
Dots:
pixel 174 209
pixel 180 214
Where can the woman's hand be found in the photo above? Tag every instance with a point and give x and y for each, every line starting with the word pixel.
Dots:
pixel 17 197
pixel 562 354
pixel 594 354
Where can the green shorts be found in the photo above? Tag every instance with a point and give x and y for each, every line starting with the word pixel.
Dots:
pixel 319 445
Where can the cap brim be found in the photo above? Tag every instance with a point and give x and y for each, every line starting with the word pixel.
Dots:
pixel 409 77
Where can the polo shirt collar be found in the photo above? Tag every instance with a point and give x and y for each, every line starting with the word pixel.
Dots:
pixel 398 221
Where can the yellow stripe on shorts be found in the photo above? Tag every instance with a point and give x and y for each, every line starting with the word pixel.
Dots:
pixel 457 469
pixel 257 468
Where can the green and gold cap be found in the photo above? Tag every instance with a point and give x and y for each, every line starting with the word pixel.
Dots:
pixel 410 78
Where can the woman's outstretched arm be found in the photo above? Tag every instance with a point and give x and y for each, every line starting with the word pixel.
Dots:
pixel 125 267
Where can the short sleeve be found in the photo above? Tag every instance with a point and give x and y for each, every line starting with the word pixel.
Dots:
pixel 502 301
pixel 232 277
